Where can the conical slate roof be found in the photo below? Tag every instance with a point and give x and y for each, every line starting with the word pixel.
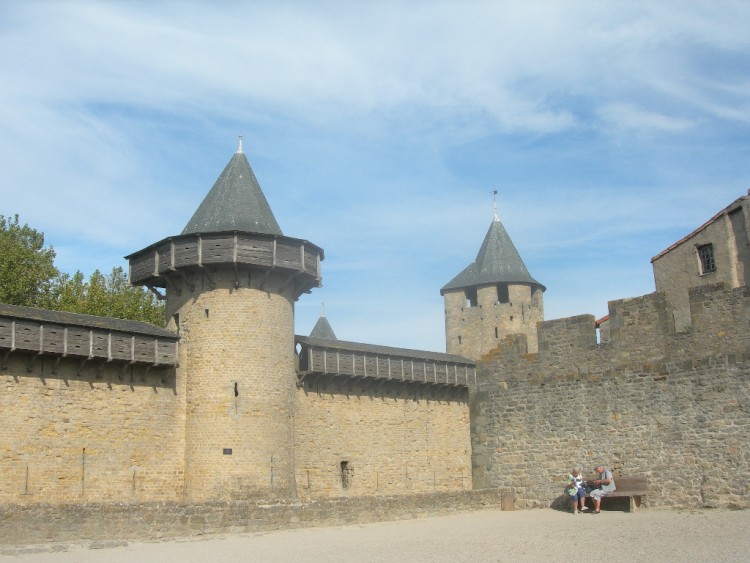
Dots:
pixel 235 203
pixel 498 261
pixel 322 329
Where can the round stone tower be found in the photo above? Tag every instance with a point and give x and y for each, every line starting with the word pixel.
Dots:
pixel 231 280
pixel 492 298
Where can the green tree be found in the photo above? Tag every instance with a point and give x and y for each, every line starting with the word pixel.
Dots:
pixel 27 269
pixel 29 277
pixel 69 292
pixel 110 296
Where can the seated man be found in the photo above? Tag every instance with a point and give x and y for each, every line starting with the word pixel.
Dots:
pixel 607 484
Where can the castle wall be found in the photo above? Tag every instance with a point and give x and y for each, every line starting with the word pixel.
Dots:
pixel 108 522
pixel 674 407
pixel 96 431
pixel 355 437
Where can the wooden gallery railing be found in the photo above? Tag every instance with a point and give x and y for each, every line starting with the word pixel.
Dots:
pixel 337 357
pixel 69 335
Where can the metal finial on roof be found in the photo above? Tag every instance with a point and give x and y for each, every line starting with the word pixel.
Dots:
pixel 239 147
pixel 323 309
pixel 494 205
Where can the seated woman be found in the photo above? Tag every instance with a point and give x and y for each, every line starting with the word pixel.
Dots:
pixel 574 487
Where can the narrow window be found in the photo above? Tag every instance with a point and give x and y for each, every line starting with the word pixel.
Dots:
pixel 471 297
pixel 502 293
pixel 496 332
pixel 706 256
pixel 345 474
pixel 459 339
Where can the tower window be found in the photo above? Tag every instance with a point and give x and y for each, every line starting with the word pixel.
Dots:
pixel 471 297
pixel 459 339
pixel 706 256
pixel 502 293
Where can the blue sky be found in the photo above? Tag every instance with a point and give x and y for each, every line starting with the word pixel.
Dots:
pixel 378 131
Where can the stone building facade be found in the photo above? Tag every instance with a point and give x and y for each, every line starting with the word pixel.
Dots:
pixel 716 252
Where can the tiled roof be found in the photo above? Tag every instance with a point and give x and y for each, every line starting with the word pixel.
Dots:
pixel 235 203
pixel 322 329
pixel 498 261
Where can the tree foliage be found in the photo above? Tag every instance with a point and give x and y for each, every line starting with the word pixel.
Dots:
pixel 110 296
pixel 27 267
pixel 29 277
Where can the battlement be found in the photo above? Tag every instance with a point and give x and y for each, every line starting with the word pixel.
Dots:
pixel 567 333
pixel 639 328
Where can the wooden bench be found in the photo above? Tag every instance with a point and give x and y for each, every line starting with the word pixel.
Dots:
pixel 632 488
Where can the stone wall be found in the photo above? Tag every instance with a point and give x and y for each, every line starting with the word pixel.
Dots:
pixel 26 524
pixel 369 437
pixel 674 407
pixel 82 432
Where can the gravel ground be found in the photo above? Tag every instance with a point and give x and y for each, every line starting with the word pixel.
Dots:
pixel 491 535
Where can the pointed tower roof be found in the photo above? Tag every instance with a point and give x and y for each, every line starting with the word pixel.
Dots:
pixel 235 203
pixel 498 261
pixel 322 328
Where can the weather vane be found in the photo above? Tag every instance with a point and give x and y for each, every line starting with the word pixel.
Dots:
pixel 239 146
pixel 494 202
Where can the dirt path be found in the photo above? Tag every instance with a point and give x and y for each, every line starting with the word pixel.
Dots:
pixel 532 535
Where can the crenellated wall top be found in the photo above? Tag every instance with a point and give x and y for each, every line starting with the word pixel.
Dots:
pixel 641 330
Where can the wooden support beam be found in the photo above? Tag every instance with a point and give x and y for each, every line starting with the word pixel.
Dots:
pixel 190 285
pixel 4 360
pixel 171 286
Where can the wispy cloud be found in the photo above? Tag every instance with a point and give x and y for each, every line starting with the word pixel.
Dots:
pixel 378 130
